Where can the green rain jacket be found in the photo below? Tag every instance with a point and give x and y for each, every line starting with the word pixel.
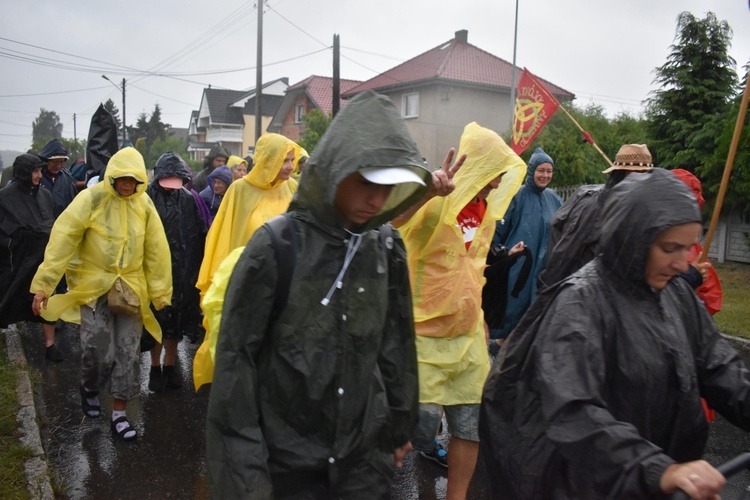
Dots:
pixel 324 388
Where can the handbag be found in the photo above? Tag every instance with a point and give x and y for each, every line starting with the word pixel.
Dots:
pixel 122 299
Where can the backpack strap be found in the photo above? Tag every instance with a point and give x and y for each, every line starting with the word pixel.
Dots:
pixel 284 242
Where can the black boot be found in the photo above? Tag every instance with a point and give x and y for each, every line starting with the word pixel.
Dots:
pixel 171 378
pixel 156 379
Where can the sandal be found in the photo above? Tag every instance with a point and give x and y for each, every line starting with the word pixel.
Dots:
pixel 91 411
pixel 122 432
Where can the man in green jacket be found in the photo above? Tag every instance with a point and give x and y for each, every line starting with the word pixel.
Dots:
pixel 317 396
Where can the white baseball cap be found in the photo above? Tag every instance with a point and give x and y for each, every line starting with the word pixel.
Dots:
pixel 390 175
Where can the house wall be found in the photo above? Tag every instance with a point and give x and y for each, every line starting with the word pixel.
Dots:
pixel 444 111
pixel 289 128
pixel 248 133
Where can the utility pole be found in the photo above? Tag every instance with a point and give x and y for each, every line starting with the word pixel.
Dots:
pixel 121 89
pixel 259 74
pixel 336 76
pixel 75 137
pixel 513 76
pixel 124 129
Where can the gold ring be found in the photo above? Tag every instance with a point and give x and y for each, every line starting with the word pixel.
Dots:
pixel 693 477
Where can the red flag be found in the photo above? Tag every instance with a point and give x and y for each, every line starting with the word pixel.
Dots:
pixel 535 105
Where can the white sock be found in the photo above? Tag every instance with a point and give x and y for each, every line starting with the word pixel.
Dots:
pixel 122 425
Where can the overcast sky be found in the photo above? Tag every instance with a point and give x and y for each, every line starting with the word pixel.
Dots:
pixel 53 53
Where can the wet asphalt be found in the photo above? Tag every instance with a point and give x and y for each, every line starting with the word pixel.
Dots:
pixel 168 458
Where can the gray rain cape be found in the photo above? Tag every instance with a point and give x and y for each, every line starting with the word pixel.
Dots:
pixel 324 391
pixel 597 391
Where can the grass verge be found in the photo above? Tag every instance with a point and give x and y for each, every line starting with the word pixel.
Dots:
pixel 13 455
pixel 734 317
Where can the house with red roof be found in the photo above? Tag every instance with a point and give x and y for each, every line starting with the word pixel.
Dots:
pixel 314 92
pixel 442 90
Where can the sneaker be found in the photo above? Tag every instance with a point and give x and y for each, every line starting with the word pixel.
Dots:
pixel 437 455
pixel 155 379
pixel 53 354
pixel 171 378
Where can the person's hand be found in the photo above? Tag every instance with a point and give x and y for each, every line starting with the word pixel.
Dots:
pixel 702 267
pixel 40 300
pixel 442 179
pixel 400 453
pixel 697 479
pixel 518 247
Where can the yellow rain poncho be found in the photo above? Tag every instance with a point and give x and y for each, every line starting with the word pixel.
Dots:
pixel 102 235
pixel 247 205
pixel 447 279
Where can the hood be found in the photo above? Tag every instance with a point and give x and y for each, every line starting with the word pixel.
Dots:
pixel 233 161
pixel 102 141
pixel 692 182
pixel 368 132
pixel 53 149
pixel 636 211
pixel 171 164
pixel 222 173
pixel 23 166
pixel 537 158
pixel 215 151
pixel 270 153
pixel 487 156
pixel 127 161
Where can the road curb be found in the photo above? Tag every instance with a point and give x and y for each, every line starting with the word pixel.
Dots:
pixel 36 468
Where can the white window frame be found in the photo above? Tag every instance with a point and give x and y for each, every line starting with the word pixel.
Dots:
pixel 410 105
pixel 299 112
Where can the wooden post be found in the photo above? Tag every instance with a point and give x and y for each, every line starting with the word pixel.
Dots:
pixel 609 163
pixel 727 170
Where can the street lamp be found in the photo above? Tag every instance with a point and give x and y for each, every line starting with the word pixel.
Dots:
pixel 124 130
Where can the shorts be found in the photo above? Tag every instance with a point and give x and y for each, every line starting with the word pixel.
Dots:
pixel 463 423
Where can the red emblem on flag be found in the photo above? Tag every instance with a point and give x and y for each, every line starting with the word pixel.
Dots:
pixel 535 105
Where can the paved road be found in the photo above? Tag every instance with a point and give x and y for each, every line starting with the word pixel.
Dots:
pixel 168 458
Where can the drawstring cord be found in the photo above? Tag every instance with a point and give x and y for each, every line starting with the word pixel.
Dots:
pixel 354 242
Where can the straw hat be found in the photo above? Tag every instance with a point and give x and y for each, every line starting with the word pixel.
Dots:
pixel 633 157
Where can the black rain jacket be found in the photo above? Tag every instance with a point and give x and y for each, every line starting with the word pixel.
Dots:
pixel 186 234
pixel 26 218
pixel 324 389
pixel 597 391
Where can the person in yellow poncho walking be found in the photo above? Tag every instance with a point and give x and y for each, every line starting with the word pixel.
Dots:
pixel 263 193
pixel 110 231
pixel 447 241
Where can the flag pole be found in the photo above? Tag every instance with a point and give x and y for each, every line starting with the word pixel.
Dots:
pixel 587 136
pixel 727 169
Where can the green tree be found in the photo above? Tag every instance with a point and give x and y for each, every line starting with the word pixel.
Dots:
pixel 46 126
pixel 161 146
pixel 140 145
pixel 150 129
pixel 76 148
pixel 110 106
pixel 696 84
pixel 316 123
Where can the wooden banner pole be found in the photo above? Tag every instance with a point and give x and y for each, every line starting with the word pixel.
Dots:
pixel 609 162
pixel 727 170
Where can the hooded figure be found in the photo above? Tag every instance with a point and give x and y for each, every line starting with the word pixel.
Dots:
pixel 528 220
pixel 201 178
pixel 325 393
pixel 248 204
pixel 708 289
pixel 575 228
pixel 55 177
pixel 186 235
pixel 209 196
pixel 26 217
pixel 102 142
pixel 598 390
pixel 102 236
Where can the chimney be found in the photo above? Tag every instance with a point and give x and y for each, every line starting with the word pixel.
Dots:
pixel 462 36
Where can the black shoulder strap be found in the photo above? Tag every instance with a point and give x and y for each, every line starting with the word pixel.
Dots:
pixel 284 241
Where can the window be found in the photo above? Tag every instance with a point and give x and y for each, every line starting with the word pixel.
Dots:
pixel 410 105
pixel 299 111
